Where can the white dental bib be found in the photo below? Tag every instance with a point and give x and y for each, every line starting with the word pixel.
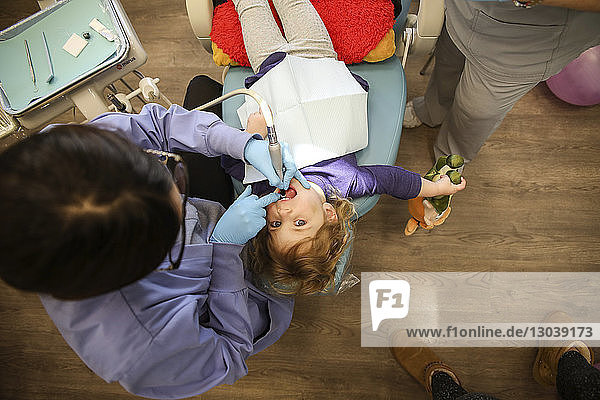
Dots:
pixel 318 108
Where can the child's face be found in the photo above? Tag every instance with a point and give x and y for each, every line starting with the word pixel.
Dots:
pixel 298 215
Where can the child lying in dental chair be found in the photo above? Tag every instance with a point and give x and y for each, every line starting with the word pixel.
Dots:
pixel 309 229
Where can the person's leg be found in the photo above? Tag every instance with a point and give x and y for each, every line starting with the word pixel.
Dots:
pixel 568 365
pixel 437 378
pixel 480 104
pixel 444 387
pixel 432 108
pixel 262 36
pixel 207 179
pixel 201 90
pixel 304 30
pixel 576 378
pixel 476 396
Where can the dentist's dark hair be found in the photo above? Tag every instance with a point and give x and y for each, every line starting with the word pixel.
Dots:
pixel 82 212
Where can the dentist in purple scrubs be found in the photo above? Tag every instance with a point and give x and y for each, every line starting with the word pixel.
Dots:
pixel 93 221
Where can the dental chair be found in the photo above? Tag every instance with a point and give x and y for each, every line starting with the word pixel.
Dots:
pixel 415 34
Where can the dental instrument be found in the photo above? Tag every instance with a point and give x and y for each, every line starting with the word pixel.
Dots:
pixel 51 76
pixel 147 87
pixel 82 83
pixel 3 97
pixel 31 70
pixel 274 146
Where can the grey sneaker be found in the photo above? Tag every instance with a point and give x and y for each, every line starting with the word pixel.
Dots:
pixel 410 117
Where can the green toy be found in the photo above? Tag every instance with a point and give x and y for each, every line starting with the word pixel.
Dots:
pixel 448 165
pixel 445 165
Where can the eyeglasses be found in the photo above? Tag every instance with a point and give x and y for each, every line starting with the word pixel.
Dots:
pixel 178 169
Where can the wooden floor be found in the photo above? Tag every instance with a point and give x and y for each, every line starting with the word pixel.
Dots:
pixel 531 204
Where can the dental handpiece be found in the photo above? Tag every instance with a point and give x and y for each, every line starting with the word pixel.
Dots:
pixel 274 146
pixel 275 151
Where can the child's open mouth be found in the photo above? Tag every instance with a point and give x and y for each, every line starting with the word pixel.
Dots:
pixel 288 194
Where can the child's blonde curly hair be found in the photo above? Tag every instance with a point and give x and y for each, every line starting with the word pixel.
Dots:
pixel 309 266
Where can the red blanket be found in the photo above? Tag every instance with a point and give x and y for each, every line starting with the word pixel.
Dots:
pixel 355 27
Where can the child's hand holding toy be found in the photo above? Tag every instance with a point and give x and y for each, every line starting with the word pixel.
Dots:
pixel 432 206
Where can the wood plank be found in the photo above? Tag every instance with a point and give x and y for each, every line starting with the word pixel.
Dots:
pixel 531 205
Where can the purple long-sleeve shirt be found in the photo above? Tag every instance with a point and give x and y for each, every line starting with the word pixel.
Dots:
pixel 346 177
pixel 175 334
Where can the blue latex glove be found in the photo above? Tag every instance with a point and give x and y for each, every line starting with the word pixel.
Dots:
pixel 256 153
pixel 290 168
pixel 243 219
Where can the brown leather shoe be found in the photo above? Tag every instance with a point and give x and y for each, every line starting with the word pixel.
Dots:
pixel 545 366
pixel 421 363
